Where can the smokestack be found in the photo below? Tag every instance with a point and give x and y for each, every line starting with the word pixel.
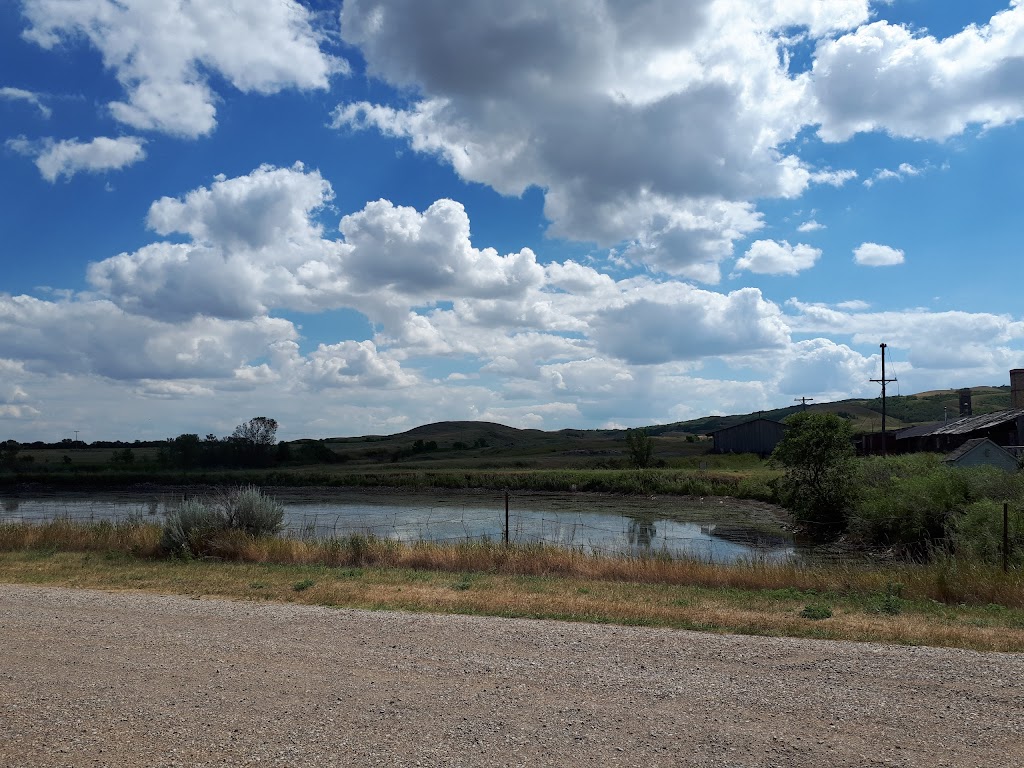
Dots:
pixel 965 403
pixel 1017 388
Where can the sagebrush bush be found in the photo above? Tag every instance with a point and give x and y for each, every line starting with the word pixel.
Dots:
pixel 212 527
pixel 248 509
pixel 188 527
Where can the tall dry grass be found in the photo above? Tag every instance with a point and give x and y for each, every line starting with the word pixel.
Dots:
pixel 946 580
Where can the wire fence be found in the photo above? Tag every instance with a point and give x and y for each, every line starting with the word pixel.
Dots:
pixel 711 529
pixel 606 525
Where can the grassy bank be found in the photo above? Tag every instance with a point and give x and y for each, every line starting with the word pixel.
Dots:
pixel 948 603
pixel 745 483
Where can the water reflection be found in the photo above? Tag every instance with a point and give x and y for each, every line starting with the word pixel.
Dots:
pixel 607 526
pixel 641 531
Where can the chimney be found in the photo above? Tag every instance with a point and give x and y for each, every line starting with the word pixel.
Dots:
pixel 965 402
pixel 1017 388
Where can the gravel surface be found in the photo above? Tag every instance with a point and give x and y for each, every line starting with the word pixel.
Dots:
pixel 123 679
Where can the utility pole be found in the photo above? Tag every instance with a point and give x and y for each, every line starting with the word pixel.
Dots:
pixel 803 402
pixel 76 435
pixel 883 381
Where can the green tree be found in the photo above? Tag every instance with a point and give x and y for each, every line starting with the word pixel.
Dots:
pixel 818 485
pixel 253 441
pixel 639 448
pixel 9 454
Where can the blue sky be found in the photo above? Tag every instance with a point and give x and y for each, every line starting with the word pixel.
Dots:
pixel 361 217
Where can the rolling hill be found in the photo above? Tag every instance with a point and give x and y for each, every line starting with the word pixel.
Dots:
pixel 452 444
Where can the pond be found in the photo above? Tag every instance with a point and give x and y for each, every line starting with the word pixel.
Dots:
pixel 712 529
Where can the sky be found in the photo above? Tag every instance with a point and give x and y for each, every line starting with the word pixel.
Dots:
pixel 361 217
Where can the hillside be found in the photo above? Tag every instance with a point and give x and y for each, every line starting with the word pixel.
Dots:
pixel 452 444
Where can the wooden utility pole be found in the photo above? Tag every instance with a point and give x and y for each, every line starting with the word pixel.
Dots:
pixel 883 381
pixel 803 402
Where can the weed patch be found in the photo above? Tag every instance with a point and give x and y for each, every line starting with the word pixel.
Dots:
pixel 816 611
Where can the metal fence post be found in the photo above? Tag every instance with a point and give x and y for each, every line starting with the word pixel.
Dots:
pixel 506 518
pixel 1006 536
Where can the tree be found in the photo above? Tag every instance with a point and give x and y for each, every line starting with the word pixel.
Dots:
pixel 257 431
pixel 253 441
pixel 818 485
pixel 9 454
pixel 639 447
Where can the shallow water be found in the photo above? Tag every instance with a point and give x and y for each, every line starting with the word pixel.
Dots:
pixel 714 530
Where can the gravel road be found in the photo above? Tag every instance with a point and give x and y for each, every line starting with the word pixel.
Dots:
pixel 122 679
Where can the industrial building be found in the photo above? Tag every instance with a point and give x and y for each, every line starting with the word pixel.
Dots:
pixel 758 436
pixel 1004 428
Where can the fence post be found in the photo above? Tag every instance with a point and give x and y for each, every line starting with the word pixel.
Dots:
pixel 1006 536
pixel 506 517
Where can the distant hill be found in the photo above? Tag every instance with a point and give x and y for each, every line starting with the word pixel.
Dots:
pixel 866 414
pixel 450 444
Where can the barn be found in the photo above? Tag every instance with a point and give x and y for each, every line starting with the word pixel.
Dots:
pixel 758 436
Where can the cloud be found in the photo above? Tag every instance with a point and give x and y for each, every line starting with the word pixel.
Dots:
pixel 884 77
pixel 875 255
pixel 354 364
pixel 269 206
pixel 810 226
pixel 653 126
pixel 160 53
pixel 679 322
pixel 833 178
pixel 770 257
pixel 255 246
pixel 948 341
pixel 19 94
pixel 96 337
pixel 69 157
pixel 884 174
pixel 826 369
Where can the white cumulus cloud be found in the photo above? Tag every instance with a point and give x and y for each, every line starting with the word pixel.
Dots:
pixel 875 255
pixel 772 257
pixel 160 52
pixel 653 125
pixel 55 159
pixel 886 77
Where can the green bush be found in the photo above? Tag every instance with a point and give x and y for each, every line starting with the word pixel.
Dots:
pixel 978 533
pixel 907 502
pixel 919 505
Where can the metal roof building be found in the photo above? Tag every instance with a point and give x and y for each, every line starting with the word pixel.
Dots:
pixel 1004 428
pixel 758 436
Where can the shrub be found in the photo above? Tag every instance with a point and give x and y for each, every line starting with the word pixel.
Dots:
pixel 189 527
pixel 196 527
pixel 978 532
pixel 247 509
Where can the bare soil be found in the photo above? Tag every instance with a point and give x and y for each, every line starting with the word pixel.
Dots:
pixel 127 679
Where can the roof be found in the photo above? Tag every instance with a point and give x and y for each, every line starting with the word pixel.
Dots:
pixel 919 431
pixel 969 446
pixel 752 421
pixel 962 426
pixel 969 424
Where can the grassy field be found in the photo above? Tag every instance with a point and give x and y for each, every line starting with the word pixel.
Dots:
pixel 946 603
